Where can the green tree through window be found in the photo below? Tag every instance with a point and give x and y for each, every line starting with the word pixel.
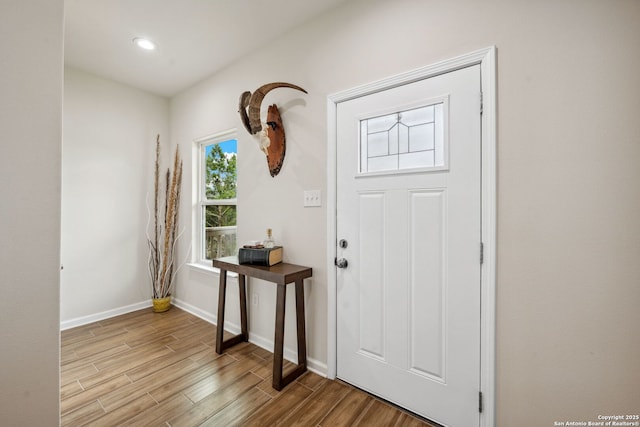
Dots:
pixel 219 206
pixel 221 184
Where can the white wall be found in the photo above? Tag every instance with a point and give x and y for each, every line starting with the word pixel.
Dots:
pixel 568 201
pixel 264 202
pixel 31 129
pixel 108 157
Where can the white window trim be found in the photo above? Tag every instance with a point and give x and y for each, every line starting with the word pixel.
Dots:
pixel 198 262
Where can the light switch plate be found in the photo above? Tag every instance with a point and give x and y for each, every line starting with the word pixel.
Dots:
pixel 312 198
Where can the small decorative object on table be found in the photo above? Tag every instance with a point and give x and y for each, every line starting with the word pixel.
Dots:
pixel 269 242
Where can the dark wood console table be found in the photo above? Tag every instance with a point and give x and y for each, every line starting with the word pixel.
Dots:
pixel 280 274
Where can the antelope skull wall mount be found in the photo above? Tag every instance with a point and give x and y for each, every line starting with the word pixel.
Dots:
pixel 272 140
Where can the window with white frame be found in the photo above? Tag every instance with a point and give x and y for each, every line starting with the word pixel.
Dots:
pixel 217 199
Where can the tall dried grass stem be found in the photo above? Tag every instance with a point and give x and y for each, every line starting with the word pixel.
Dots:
pixel 162 249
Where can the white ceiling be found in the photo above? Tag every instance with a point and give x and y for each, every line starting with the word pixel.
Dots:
pixel 194 38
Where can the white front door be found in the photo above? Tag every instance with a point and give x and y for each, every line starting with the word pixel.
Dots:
pixel 409 226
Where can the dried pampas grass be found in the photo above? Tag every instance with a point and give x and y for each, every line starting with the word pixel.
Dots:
pixel 162 247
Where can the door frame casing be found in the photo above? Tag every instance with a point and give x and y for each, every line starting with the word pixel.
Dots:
pixel 486 58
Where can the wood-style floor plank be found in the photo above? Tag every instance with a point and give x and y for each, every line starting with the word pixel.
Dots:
pixel 317 405
pixel 93 393
pixel 278 408
pixel 241 408
pixel 215 401
pixel 157 415
pixel 347 410
pixel 161 369
pixel 125 412
pixel 379 413
pixel 83 415
pixel 203 372
pixel 164 363
pixel 119 396
pixel 69 365
pixel 224 376
pixel 70 389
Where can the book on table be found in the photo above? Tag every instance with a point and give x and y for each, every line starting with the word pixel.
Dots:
pixel 260 256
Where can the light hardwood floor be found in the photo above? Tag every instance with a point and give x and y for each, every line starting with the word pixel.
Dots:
pixel 161 369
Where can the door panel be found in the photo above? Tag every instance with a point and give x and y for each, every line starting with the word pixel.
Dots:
pixel 408 203
pixel 428 258
pixel 371 208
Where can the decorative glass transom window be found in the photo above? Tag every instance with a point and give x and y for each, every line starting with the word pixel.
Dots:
pixel 409 139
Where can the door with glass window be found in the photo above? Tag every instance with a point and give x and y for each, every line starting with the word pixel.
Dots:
pixel 408 223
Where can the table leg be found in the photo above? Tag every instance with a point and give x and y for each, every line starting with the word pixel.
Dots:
pixel 302 336
pixel 278 347
pixel 279 382
pixel 221 344
pixel 222 290
pixel 243 307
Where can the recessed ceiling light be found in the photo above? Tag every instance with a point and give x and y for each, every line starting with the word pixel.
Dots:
pixel 144 43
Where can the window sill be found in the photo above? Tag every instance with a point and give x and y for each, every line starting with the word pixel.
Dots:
pixel 208 268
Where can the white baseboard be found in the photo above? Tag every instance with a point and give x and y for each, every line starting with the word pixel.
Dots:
pixel 85 320
pixel 198 312
pixel 291 355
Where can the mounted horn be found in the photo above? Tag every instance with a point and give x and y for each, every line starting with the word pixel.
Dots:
pixel 244 102
pixel 272 139
pixel 254 101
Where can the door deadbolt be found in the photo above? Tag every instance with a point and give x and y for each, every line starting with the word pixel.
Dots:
pixel 343 244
